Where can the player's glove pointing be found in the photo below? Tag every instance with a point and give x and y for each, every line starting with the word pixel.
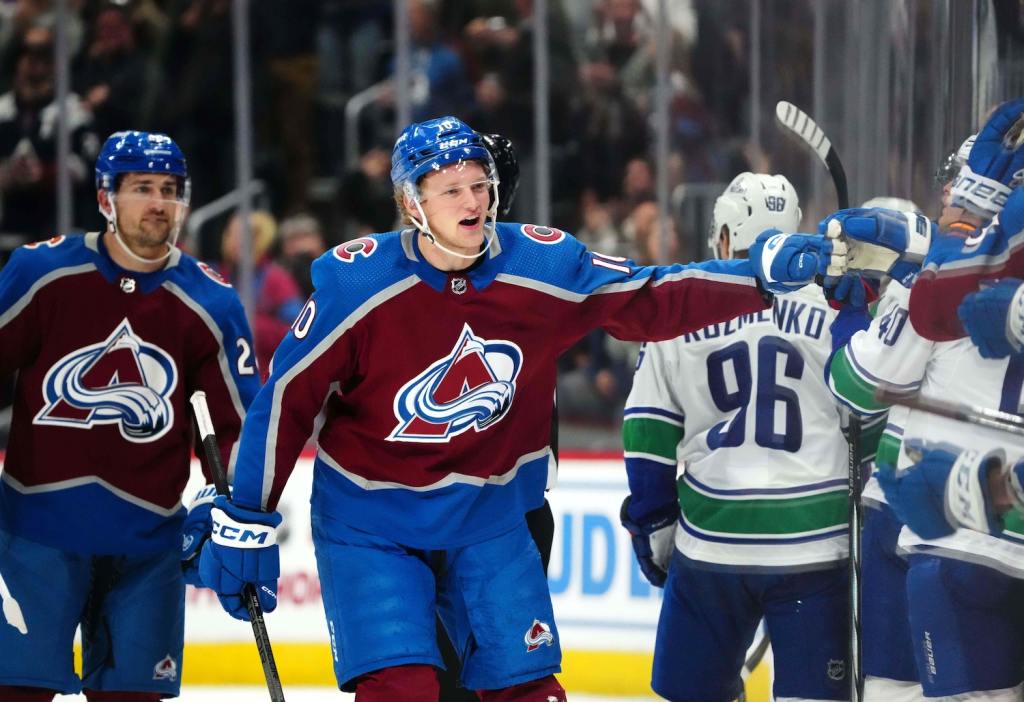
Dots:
pixel 787 262
pixel 653 537
pixel 242 549
pixel 994 164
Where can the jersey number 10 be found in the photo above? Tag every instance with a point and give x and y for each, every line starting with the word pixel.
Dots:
pixel 768 394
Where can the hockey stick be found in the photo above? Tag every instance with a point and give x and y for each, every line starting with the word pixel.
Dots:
pixel 252 603
pixel 981 416
pixel 799 125
pixel 12 610
pixel 808 132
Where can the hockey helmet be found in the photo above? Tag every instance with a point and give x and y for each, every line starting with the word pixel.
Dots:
pixel 141 152
pixel 752 203
pixel 893 203
pixel 427 147
pixel 507 164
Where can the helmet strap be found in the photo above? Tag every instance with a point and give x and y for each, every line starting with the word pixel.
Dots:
pixel 172 240
pixel 424 226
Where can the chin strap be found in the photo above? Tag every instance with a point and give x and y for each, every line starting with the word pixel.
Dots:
pixel 172 240
pixel 424 227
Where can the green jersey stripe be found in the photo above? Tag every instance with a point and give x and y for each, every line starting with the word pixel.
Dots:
pixel 651 436
pixel 795 515
pixel 851 386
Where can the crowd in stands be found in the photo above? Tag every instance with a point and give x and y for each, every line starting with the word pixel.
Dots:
pixel 166 65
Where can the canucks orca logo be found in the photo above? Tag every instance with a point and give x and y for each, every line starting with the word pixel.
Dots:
pixel 472 387
pixel 122 380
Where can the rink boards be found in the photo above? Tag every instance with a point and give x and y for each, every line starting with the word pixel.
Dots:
pixel 606 612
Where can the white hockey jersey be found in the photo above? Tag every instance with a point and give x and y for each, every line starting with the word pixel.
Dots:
pixel 744 408
pixel 889 352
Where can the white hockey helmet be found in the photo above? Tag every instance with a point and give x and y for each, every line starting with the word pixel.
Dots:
pixel 752 203
pixel 894 203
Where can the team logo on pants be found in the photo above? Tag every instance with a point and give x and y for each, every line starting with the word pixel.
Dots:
pixel 122 380
pixel 166 669
pixel 470 388
pixel 539 633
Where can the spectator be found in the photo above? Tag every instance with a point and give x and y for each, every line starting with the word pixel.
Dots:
pixel 302 242
pixel 28 143
pixel 111 75
pixel 367 196
pixel 276 295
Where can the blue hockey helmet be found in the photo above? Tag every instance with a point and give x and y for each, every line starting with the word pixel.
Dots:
pixel 425 147
pixel 140 152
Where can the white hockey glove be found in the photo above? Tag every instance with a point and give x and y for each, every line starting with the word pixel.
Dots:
pixel 880 242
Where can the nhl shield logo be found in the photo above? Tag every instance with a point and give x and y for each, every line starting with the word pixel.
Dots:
pixel 166 669
pixel 539 633
pixel 459 285
pixel 836 669
pixel 471 388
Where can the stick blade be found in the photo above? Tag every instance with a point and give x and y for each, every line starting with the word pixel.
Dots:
pixel 806 129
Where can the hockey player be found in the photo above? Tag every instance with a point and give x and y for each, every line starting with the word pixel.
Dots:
pixel 431 352
pixel 964 611
pixel 108 334
pixel 762 526
pixel 887 352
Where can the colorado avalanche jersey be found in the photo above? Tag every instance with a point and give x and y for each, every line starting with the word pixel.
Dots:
pixel 743 406
pixel 889 352
pixel 106 359
pixel 434 389
pixel 955 267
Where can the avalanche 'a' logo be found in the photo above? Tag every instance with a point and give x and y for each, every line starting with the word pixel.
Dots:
pixel 472 387
pixel 122 380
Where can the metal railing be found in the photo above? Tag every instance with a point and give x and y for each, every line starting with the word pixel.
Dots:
pixel 215 208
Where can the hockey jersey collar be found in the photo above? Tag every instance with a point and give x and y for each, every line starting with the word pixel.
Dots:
pixel 480 275
pixel 147 282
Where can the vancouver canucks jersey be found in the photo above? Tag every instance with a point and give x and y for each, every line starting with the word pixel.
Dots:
pixel 743 406
pixel 434 389
pixel 889 352
pixel 106 359
pixel 956 370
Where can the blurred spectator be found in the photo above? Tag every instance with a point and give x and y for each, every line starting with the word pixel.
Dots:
pixel 18 17
pixel 111 73
pixel 302 242
pixel 649 246
pixel 276 295
pixel 439 84
pixel 367 196
pixel 198 81
pixel 28 143
pixel 285 34
pixel 597 229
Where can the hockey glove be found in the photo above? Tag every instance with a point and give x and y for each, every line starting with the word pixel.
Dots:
pixel 880 241
pixel 653 537
pixel 994 317
pixel 242 549
pixel 196 532
pixel 995 164
pixel 787 262
pixel 943 490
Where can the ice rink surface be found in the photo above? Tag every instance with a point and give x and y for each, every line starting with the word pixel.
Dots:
pixel 308 694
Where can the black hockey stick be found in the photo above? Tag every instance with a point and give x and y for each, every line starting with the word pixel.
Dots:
pixel 252 603
pixel 799 125
pixel 981 416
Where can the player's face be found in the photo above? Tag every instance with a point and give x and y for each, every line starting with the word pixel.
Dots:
pixel 455 201
pixel 147 209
